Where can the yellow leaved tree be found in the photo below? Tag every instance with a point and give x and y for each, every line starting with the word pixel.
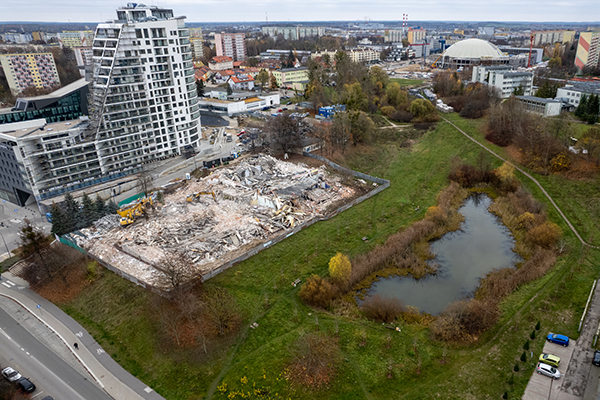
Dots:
pixel 340 268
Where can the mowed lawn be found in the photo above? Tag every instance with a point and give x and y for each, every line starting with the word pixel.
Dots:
pixel 116 312
pixel 407 82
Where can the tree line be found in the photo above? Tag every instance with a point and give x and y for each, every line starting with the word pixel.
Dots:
pixel 72 215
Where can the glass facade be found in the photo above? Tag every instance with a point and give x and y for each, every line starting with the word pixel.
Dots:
pixel 64 109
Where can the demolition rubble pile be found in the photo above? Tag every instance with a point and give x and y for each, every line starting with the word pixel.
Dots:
pixel 254 200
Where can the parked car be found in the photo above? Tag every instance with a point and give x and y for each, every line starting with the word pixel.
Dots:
pixel 11 374
pixel 596 359
pixel 558 339
pixel 549 359
pixel 548 370
pixel 26 385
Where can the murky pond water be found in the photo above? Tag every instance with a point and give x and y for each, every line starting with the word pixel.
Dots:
pixel 482 244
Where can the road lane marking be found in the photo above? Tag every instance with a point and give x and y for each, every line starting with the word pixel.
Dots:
pixel 6 284
pixel 148 389
pixel 11 283
pixel 36 395
pixel 6 334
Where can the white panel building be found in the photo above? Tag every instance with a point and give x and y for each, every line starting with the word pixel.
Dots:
pixel 144 95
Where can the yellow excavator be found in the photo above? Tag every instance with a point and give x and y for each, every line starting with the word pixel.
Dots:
pixel 196 196
pixel 130 212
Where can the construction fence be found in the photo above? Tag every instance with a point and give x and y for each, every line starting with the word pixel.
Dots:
pixel 381 184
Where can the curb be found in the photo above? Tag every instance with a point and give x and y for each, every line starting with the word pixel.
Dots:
pixel 57 334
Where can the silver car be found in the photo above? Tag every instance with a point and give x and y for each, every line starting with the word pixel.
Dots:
pixel 548 370
pixel 11 374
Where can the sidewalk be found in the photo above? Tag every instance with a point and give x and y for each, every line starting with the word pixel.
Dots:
pixel 102 368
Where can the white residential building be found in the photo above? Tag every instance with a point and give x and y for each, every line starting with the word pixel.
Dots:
pixel 504 79
pixel 363 55
pixel 84 58
pixel 144 92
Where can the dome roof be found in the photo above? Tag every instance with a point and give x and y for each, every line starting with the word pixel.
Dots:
pixel 473 48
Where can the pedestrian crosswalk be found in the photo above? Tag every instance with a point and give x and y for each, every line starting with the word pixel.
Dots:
pixel 8 284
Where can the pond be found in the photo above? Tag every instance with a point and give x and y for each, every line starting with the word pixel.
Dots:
pixel 482 244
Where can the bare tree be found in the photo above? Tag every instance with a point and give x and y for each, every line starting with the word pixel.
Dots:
pixel 145 181
pixel 177 270
pixel 34 243
pixel 221 311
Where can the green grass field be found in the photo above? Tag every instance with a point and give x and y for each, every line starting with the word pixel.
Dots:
pixel 115 311
pixel 407 82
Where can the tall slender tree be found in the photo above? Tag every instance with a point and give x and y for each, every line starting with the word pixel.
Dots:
pixel 99 208
pixel 88 211
pixel 59 220
pixel 72 213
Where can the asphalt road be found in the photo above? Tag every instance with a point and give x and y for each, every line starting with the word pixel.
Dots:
pixel 52 376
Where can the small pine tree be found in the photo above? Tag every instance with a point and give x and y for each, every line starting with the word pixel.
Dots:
pixel 532 336
pixel 526 345
pixel 516 367
pixel 511 380
pixel 581 109
pixel 71 208
pixel 88 211
pixel 505 395
pixel 59 220
pixel 523 357
pixel 537 326
pixel 111 207
pixel 99 208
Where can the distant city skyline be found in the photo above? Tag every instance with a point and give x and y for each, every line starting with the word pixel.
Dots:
pixel 315 10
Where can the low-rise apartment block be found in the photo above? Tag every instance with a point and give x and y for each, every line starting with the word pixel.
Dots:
pixel 294 78
pixel 504 79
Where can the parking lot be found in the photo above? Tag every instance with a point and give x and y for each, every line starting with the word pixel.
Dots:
pixel 541 387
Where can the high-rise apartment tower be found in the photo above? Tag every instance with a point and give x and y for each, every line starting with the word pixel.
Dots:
pixel 144 96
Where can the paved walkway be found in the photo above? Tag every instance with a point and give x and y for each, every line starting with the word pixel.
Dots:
pixel 109 375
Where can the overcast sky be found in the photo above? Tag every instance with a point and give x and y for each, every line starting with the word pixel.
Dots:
pixel 314 10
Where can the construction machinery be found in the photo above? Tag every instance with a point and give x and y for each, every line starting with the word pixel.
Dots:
pixel 196 196
pixel 130 212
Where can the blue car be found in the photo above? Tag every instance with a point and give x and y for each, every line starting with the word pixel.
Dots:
pixel 558 339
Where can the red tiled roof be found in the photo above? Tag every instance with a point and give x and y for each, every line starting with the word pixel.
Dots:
pixel 220 59
pixel 242 78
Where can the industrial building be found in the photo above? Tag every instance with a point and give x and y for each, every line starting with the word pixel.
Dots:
pixel 470 52
pixel 231 45
pixel 144 92
pixel 29 69
pixel 67 103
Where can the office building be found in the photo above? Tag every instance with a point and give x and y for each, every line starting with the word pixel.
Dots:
pixel 67 103
pixel 293 78
pixel 30 69
pixel 416 35
pixel 45 160
pixel 144 94
pixel 588 50
pixel 231 45
pixel 76 38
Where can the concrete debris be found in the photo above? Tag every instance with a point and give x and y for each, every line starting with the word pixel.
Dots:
pixel 258 197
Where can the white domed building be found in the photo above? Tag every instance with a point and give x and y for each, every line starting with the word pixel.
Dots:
pixel 471 52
